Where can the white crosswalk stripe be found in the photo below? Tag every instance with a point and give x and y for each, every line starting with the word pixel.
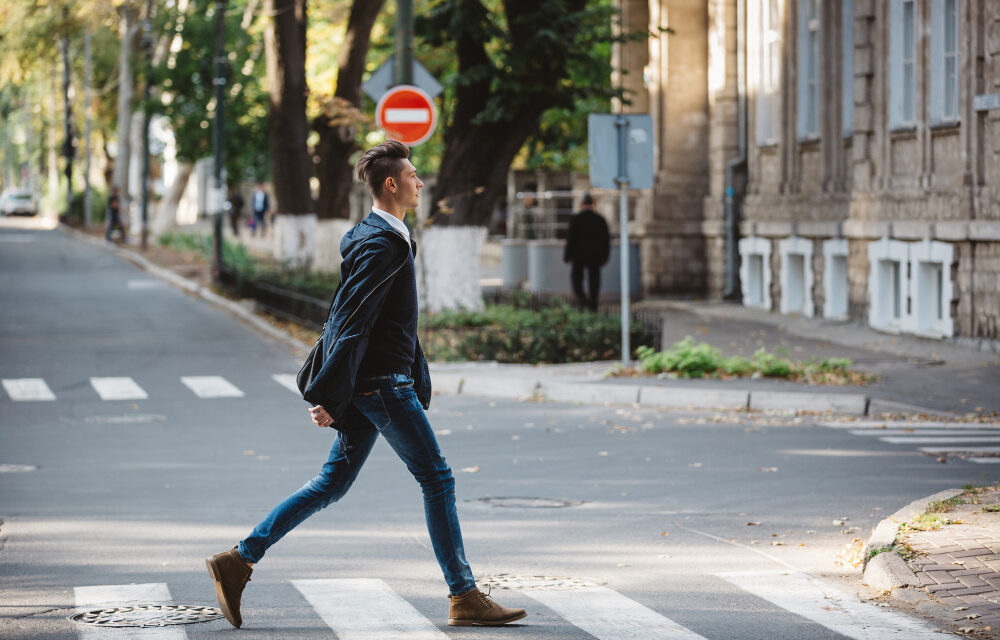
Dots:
pixel 118 389
pixel 366 609
pixel 287 380
pixel 942 440
pixel 830 607
pixel 27 389
pixel 211 387
pixel 966 435
pixel 608 615
pixel 924 432
pixel 103 596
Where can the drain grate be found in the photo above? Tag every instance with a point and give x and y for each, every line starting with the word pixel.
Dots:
pixel 514 502
pixel 148 615
pixel 539 583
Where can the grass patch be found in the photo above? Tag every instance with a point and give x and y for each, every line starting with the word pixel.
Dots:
pixel 691 359
pixel 944 506
pixel 992 508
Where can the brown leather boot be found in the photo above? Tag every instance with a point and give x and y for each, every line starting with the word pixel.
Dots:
pixel 476 608
pixel 231 575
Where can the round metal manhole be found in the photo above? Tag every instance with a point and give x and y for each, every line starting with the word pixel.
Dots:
pixel 148 615
pixel 529 503
pixel 539 583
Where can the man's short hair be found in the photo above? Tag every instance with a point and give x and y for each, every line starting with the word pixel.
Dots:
pixel 587 199
pixel 380 162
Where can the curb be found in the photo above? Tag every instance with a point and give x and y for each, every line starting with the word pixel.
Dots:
pixel 888 571
pixel 233 308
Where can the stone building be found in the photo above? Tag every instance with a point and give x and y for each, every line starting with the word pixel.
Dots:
pixel 859 140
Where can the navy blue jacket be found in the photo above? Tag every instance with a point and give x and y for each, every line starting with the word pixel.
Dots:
pixel 373 254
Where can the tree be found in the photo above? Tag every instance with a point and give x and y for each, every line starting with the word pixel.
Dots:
pixel 514 64
pixel 285 46
pixel 337 124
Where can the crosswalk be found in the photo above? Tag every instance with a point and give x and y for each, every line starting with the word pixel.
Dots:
pixel 978 442
pixel 370 609
pixel 127 388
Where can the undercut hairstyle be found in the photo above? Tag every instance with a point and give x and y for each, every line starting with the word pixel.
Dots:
pixel 380 162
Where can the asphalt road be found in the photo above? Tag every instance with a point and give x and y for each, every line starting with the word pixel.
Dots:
pixel 646 512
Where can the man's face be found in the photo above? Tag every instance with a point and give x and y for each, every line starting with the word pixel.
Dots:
pixel 408 186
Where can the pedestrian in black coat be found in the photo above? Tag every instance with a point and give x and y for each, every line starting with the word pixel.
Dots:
pixel 588 245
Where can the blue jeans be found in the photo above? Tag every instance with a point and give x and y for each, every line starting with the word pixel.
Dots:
pixel 386 405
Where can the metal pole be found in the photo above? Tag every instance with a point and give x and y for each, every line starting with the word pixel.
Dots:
pixel 88 81
pixel 219 137
pixel 621 123
pixel 403 68
pixel 147 44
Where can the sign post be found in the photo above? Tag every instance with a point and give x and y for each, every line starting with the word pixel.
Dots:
pixel 407 114
pixel 621 157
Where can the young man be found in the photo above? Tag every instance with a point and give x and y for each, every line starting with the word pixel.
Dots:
pixel 374 380
pixel 588 245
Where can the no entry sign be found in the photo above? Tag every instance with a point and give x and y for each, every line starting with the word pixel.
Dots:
pixel 406 114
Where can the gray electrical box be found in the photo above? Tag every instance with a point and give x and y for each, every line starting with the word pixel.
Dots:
pixel 603 146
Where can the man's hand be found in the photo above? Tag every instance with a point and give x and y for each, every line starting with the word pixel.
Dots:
pixel 320 417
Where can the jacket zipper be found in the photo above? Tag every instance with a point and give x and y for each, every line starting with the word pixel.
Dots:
pixel 360 304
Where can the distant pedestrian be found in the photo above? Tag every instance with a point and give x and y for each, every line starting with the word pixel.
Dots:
pixel 261 205
pixel 235 203
pixel 115 215
pixel 373 381
pixel 588 245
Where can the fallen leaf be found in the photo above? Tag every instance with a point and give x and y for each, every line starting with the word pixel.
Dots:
pixel 475 469
pixel 624 565
pixel 695 465
pixel 961 608
pixel 753 524
pixel 972 616
pixel 767 469
pixel 443 432
pixel 959 562
pixel 664 533
pixel 777 543
pixel 603 453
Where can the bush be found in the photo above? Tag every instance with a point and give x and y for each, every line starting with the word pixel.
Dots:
pixel 507 333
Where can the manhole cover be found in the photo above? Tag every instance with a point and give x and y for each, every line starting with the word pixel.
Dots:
pixel 543 583
pixel 149 615
pixel 530 503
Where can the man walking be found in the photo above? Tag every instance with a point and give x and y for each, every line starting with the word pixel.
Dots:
pixel 115 215
pixel 374 380
pixel 588 245
pixel 260 204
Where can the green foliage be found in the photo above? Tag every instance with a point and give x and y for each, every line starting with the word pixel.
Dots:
pixel 691 359
pixel 187 94
pixel 508 333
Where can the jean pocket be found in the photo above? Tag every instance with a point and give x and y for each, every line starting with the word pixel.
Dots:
pixel 372 407
pixel 403 383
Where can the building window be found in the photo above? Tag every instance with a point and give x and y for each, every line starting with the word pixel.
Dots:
pixel 796 276
pixel 931 287
pixel 835 281
pixel 808 70
pixel 755 272
pixel 769 94
pixel 888 285
pixel 847 67
pixel 903 63
pixel 945 61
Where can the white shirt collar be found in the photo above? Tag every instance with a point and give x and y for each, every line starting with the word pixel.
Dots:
pixel 394 222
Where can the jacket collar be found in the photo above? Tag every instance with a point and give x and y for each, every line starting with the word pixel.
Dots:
pixel 377 221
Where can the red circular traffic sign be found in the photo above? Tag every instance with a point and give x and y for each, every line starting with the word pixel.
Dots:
pixel 406 114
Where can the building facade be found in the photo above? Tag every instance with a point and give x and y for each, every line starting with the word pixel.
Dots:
pixel 858 142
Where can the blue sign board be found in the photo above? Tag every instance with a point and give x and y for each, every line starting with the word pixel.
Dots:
pixel 603 147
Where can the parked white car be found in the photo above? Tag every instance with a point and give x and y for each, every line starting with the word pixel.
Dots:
pixel 18 203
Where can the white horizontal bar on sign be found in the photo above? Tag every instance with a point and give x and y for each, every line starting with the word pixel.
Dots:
pixel 925 432
pixel 118 389
pixel 829 607
pixel 211 387
pixel 28 389
pixel 366 609
pixel 287 380
pixel 941 440
pixel 402 116
pixel 608 615
pixel 958 449
pixel 105 596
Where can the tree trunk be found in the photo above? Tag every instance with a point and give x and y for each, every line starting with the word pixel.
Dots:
pixel 69 147
pixel 88 89
pixel 337 125
pixel 166 212
pixel 128 28
pixel 285 48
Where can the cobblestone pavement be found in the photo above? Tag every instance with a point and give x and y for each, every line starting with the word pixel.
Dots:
pixel 959 564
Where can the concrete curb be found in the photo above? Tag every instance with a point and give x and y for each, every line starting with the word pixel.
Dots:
pixel 233 308
pixel 888 571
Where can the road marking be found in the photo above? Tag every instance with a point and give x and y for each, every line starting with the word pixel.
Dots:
pixel 924 432
pixel 287 380
pixel 27 389
pixel 874 424
pixel 958 449
pixel 123 595
pixel 941 440
pixel 17 468
pixel 366 609
pixel 118 389
pixel 144 283
pixel 608 615
pixel 829 607
pixel 984 460
pixel 211 387
pixel 402 115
